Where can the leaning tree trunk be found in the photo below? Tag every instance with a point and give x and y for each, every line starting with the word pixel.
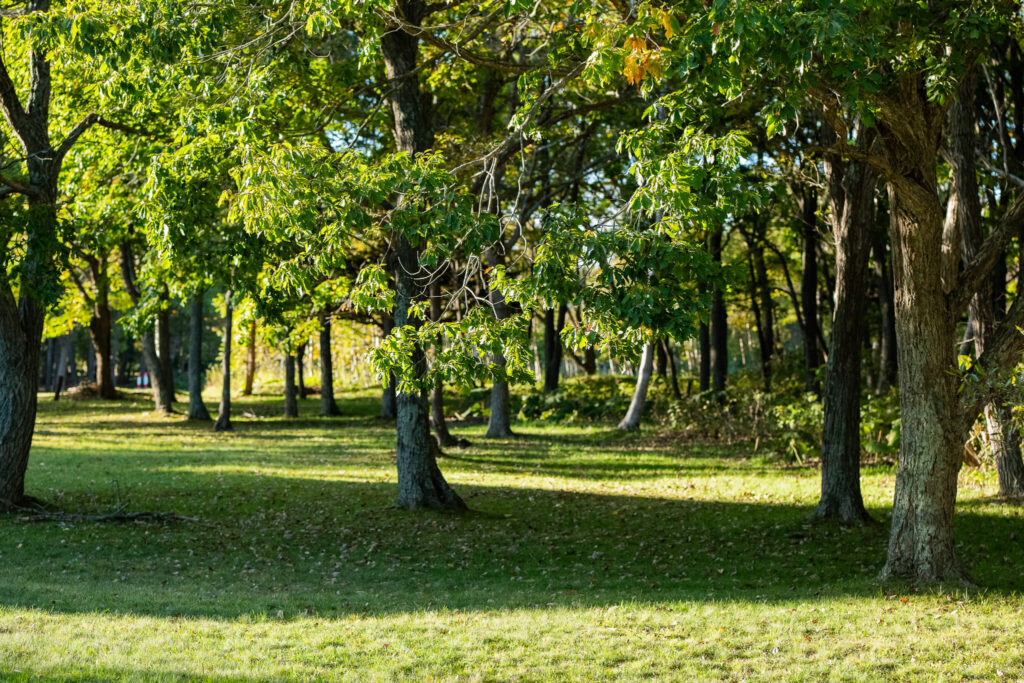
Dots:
pixel 250 360
pixel 420 482
pixel 196 408
pixel 223 423
pixel 631 421
pixel 328 406
pixel 852 191
pixel 499 422
pixel 291 405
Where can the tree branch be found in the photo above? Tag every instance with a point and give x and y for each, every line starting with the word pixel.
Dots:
pixel 988 255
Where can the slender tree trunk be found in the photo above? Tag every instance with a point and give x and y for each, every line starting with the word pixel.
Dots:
pixel 553 346
pixel 100 325
pixel 250 360
pixel 887 372
pixel 48 367
pixel 852 190
pixel 704 343
pixel 291 405
pixel 300 370
pixel 328 406
pixel 196 408
pixel 420 482
pixel 809 287
pixel 437 417
pixel 719 324
pixel 223 423
pixel 674 375
pixel 163 353
pixel 964 209
pixel 389 400
pixel 500 419
pixel 631 421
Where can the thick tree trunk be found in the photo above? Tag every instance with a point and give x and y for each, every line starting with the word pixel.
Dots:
pixel 809 287
pixel 719 324
pixel 328 406
pixel 223 423
pixel 196 408
pixel 921 543
pixel 420 482
pixel 499 423
pixel 250 360
pixel 21 336
pixel 291 405
pixel 631 421
pixel 852 192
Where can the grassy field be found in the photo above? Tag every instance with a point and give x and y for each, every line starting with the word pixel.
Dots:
pixel 589 554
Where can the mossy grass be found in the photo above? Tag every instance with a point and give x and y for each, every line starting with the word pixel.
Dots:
pixel 588 554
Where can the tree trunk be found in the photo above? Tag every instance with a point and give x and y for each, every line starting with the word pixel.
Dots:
pixel 887 372
pixel 223 423
pixel 420 482
pixel 300 371
pixel 852 191
pixel 704 344
pixel 553 346
pixel 163 353
pixel 590 361
pixel 631 421
pixel 328 406
pixel 437 418
pixel 964 208
pixel 291 405
pixel 196 408
pixel 250 360
pixel 499 421
pixel 388 400
pixel 21 335
pixel 809 287
pixel 674 375
pixel 719 324
pixel 921 543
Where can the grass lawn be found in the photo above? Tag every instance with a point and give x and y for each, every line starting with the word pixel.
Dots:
pixel 589 554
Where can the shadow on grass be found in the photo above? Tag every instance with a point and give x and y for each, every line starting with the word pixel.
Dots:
pixel 333 544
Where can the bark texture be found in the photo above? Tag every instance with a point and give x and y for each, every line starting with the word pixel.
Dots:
pixel 852 194
pixel 499 423
pixel 250 360
pixel 420 482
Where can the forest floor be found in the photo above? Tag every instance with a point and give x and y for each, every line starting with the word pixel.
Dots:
pixel 588 554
